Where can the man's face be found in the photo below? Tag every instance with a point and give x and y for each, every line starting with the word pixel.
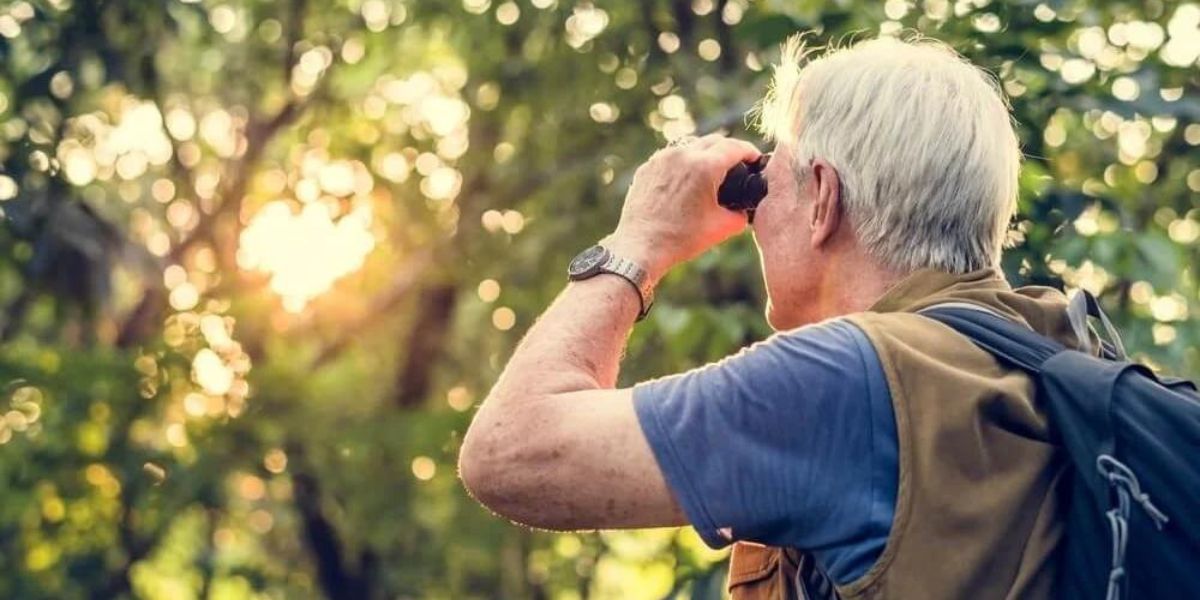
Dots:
pixel 783 233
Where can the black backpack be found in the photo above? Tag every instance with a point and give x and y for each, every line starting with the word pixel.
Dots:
pixel 1133 440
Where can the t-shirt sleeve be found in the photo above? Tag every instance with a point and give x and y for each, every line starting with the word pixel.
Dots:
pixel 775 444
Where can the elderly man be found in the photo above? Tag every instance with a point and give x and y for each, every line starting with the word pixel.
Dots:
pixel 864 442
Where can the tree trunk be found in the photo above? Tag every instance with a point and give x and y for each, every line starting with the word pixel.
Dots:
pixel 426 344
pixel 337 580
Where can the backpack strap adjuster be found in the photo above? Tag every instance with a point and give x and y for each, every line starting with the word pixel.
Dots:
pixel 1122 479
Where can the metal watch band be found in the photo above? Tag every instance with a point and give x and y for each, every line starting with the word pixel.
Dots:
pixel 636 276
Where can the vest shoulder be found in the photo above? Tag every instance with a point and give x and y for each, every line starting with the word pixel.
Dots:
pixel 895 323
pixel 911 344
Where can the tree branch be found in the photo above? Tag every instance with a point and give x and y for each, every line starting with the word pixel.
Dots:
pixel 258 137
pixel 295 32
pixel 686 20
pixel 729 55
pixel 656 53
pixel 403 283
pixel 154 83
pixel 259 133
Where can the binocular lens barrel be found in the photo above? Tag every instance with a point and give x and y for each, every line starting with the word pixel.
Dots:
pixel 744 185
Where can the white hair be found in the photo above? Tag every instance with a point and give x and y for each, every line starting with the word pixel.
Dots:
pixel 922 140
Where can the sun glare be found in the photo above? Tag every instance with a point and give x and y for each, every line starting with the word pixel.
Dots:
pixel 212 373
pixel 305 253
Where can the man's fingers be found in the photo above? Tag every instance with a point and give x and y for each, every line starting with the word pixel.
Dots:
pixel 718 151
pixel 707 141
pixel 733 151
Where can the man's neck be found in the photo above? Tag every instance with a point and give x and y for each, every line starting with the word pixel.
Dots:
pixel 849 289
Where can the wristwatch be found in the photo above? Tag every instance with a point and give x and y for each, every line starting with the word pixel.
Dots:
pixel 598 259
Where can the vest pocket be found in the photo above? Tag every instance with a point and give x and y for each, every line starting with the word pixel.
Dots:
pixel 754 573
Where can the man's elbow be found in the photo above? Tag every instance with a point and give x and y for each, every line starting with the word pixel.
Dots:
pixel 477 470
pixel 500 476
pixel 485 473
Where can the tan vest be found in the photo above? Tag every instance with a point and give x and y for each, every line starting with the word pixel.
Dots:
pixel 977 499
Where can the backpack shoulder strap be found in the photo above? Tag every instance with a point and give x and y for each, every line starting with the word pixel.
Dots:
pixel 1009 342
pixel 1084 305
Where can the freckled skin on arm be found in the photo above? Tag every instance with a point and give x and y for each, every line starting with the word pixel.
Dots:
pixel 545 455
pixel 554 445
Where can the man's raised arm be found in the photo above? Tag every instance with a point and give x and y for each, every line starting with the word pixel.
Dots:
pixel 554 445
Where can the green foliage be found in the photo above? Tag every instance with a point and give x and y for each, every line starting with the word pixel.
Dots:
pixel 260 259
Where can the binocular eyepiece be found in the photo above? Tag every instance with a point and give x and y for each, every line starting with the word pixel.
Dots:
pixel 744 186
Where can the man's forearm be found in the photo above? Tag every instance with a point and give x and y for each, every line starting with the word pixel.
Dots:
pixel 527 434
pixel 576 344
pixel 541 447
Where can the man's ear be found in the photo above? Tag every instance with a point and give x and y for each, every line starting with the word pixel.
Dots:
pixel 827 202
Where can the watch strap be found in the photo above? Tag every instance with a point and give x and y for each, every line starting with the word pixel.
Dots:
pixel 636 276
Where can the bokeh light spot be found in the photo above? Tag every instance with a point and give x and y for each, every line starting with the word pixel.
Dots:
pixel 709 49
pixel 424 468
pixel 211 373
pixel 459 398
pixel 8 188
pixel 275 461
pixel 504 318
pixel 668 41
pixel 508 13
pixel 489 290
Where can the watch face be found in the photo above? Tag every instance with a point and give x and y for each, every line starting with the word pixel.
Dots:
pixel 587 262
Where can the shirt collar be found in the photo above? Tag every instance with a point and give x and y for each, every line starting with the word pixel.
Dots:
pixel 918 287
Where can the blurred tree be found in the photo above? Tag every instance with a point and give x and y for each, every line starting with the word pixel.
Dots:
pixel 260 259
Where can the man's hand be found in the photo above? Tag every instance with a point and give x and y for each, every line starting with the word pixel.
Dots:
pixel 671 213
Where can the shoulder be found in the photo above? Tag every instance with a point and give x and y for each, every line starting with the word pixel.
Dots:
pixel 828 359
pixel 837 352
pixel 837 336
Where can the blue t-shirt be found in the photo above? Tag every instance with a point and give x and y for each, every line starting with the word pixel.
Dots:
pixel 790 442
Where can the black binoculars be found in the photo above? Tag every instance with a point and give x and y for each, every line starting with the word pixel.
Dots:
pixel 744 186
